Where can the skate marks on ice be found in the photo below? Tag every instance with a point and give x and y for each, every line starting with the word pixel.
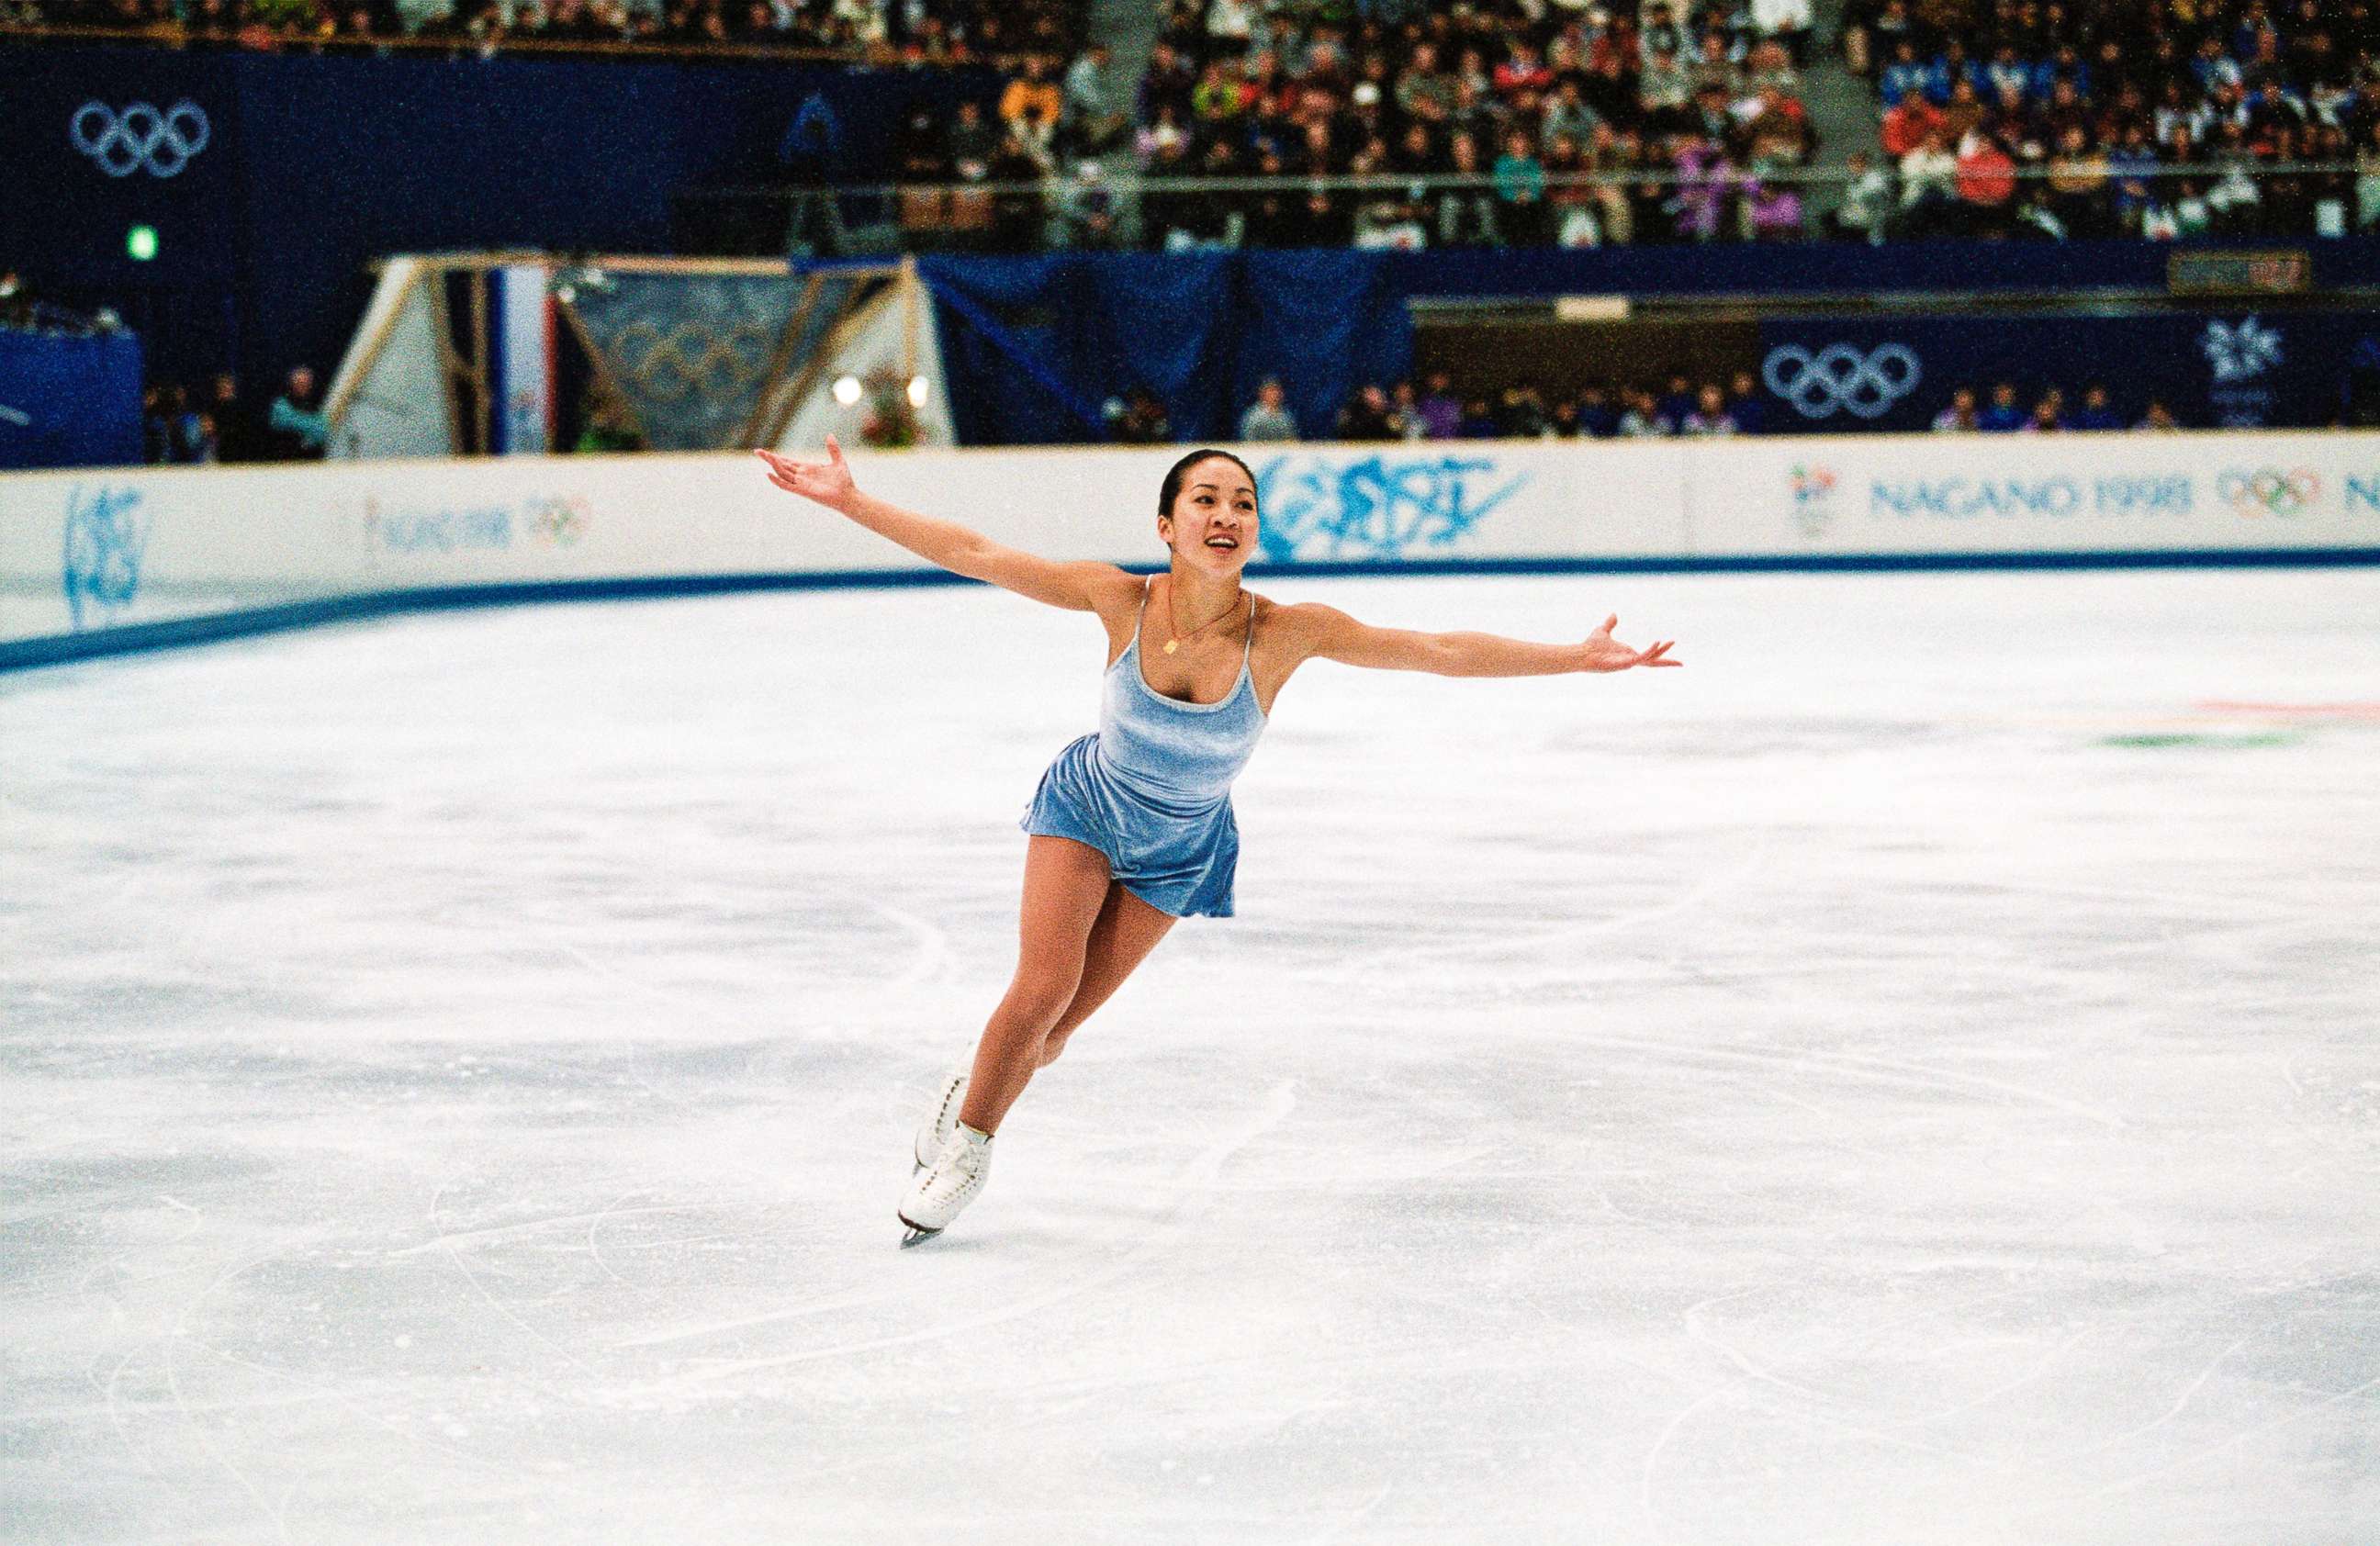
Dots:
pixel 1194 1190
pixel 1972 1447
pixel 1990 1161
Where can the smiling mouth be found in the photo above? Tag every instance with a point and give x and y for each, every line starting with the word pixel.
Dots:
pixel 1222 542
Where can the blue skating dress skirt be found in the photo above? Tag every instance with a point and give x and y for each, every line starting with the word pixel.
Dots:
pixel 1151 787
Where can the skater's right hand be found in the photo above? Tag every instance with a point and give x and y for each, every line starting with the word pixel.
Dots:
pixel 829 482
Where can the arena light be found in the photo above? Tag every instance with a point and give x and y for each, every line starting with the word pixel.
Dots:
pixel 846 390
pixel 917 392
pixel 140 243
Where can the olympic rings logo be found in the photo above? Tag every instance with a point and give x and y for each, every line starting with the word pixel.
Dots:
pixel 139 139
pixel 691 359
pixel 1840 378
pixel 2269 490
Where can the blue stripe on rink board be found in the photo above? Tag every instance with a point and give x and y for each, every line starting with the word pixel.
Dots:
pixel 135 638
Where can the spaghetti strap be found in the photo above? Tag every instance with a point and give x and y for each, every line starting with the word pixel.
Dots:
pixel 1251 645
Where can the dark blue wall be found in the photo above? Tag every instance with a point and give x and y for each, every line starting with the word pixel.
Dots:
pixel 314 166
pixel 1837 267
pixel 2236 368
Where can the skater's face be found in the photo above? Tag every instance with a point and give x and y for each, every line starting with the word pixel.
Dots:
pixel 1213 523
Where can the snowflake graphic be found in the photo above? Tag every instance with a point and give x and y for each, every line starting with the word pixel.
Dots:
pixel 2242 353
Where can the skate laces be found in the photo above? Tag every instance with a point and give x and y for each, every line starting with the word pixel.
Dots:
pixel 962 1164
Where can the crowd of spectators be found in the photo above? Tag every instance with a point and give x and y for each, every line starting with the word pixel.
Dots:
pixel 2005 412
pixel 2158 118
pixel 183 425
pixel 1471 125
pixel 1432 409
pixel 879 31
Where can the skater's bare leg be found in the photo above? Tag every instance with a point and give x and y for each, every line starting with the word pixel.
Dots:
pixel 1065 885
pixel 1127 929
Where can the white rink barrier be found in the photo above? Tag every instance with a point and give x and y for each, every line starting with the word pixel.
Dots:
pixel 98 559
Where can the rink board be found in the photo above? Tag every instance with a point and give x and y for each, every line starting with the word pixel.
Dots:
pixel 97 561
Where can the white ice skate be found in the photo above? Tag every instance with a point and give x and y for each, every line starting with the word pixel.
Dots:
pixel 942 1120
pixel 937 1194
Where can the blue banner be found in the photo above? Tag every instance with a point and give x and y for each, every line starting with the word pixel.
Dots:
pixel 1033 345
pixel 69 402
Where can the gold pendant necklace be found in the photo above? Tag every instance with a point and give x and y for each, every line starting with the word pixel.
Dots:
pixel 1172 643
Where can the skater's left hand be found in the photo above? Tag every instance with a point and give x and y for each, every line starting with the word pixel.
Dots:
pixel 1603 653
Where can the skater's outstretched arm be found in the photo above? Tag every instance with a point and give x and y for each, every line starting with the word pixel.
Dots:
pixel 1074 586
pixel 1328 634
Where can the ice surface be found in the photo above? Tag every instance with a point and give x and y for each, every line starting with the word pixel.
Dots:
pixel 1908 1077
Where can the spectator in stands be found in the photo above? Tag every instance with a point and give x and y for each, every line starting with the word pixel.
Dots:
pixel 1521 415
pixel 1017 208
pixel 1467 211
pixel 1230 24
pixel 1440 409
pixel 1032 101
pixel 1986 184
pixel 157 414
pixel 1643 418
pixel 1706 182
pixel 1744 404
pixel 1860 216
pixel 1268 419
pixel 237 435
pixel 2003 416
pixel 1098 107
pixel 1787 21
pixel 1520 192
pixel 1911 126
pixel 1139 418
pixel 295 427
pixel 1771 210
pixel 1710 415
pixel 2048 415
pixel 1904 81
pixel 1675 400
pixel 1087 210
pixel 15 301
pixel 1596 418
pixel 2077 193
pixel 1368 416
pixel 1959 417
pixel 2367 174
pixel 2096 412
pixel 2132 164
pixel 1964 112
pixel 1929 177
pixel 2159 417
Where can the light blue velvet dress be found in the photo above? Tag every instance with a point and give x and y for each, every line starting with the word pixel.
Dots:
pixel 1151 787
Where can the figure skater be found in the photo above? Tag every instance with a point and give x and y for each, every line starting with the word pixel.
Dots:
pixel 1132 827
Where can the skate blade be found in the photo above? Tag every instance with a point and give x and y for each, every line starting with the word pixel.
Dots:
pixel 915 1235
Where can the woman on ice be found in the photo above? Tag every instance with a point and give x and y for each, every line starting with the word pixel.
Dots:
pixel 1132 826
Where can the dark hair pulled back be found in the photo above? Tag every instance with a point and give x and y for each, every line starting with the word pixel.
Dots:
pixel 1171 488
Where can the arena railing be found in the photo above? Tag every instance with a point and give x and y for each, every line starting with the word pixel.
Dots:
pixel 2294 199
